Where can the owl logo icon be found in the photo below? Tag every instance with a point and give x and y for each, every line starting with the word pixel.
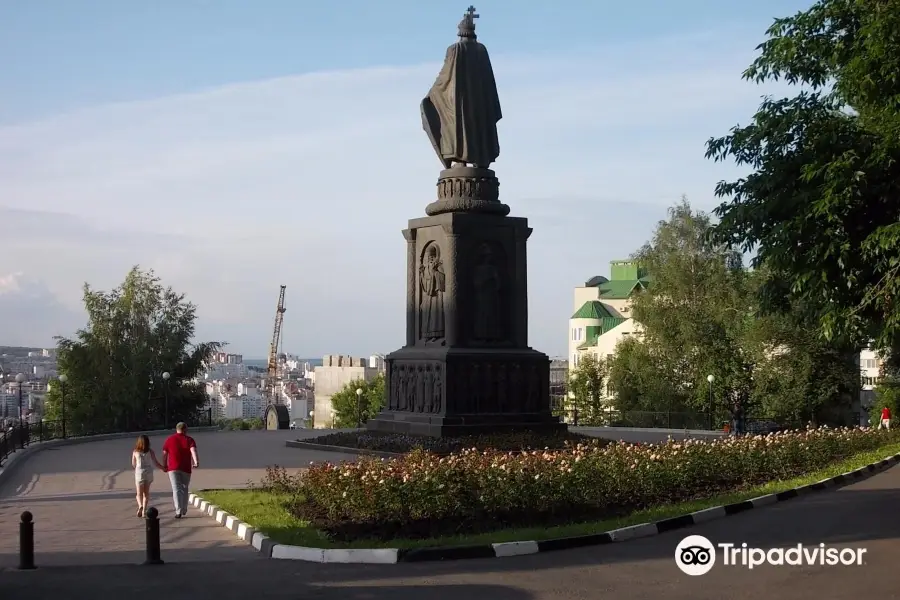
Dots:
pixel 695 555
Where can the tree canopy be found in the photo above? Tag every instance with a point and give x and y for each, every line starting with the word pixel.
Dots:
pixel 586 388
pixel 344 403
pixel 693 317
pixel 700 317
pixel 114 366
pixel 821 206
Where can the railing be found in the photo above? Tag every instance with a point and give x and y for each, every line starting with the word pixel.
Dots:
pixel 669 420
pixel 18 435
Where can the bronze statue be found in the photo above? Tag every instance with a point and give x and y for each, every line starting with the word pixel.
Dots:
pixel 461 111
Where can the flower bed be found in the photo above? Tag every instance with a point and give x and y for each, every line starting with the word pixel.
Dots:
pixel 422 495
pixel 401 444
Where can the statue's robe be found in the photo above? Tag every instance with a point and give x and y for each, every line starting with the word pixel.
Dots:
pixel 461 111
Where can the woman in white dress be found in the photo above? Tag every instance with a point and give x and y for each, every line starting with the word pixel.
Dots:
pixel 142 461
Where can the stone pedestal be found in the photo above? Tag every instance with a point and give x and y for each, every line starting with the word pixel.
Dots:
pixel 466 367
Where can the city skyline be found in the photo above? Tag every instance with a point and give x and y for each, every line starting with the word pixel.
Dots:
pixel 242 159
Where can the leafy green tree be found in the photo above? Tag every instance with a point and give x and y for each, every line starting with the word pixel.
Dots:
pixel 820 206
pixel 800 376
pixel 344 403
pixel 639 383
pixel 700 317
pixel 695 314
pixel 114 365
pixel 587 392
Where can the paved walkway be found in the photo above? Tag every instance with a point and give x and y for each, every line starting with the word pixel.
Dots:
pixel 82 498
pixel 860 515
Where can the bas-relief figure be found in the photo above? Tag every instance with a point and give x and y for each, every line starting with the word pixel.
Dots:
pixel 417 388
pixel 437 403
pixel 461 111
pixel 432 284
pixel 487 297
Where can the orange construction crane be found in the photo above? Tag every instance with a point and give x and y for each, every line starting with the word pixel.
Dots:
pixel 272 367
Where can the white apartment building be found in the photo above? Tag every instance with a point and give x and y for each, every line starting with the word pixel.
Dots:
pixel 602 306
pixel 376 361
pixel 226 371
pixel 336 372
pixel 870 372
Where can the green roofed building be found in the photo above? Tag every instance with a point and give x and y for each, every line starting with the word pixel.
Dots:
pixel 601 318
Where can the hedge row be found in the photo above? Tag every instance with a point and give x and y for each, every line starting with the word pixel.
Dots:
pixel 423 495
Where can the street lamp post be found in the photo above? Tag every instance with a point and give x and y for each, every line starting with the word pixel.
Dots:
pixel 3 379
pixel 573 380
pixel 359 408
pixel 62 393
pixel 20 379
pixel 710 379
pixel 165 377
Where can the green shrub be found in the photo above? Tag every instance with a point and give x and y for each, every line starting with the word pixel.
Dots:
pixel 241 424
pixel 887 393
pixel 424 495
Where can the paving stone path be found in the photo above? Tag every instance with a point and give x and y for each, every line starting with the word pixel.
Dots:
pixel 82 499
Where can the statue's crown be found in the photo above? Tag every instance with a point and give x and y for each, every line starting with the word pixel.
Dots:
pixel 467 25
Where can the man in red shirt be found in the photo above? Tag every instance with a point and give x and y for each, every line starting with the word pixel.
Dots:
pixel 179 454
pixel 885 418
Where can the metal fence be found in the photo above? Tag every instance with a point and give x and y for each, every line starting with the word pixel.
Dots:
pixel 18 435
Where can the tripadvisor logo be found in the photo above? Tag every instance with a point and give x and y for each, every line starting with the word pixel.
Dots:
pixel 696 555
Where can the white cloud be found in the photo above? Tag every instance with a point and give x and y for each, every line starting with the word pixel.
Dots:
pixel 306 181
pixel 31 314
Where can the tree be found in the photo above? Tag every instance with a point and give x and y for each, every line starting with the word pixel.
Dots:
pixel 344 403
pixel 700 317
pixel 821 206
pixel 694 317
pixel 639 383
pixel 799 375
pixel 114 365
pixel 586 386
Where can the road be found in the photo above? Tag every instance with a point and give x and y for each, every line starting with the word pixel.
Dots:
pixel 861 515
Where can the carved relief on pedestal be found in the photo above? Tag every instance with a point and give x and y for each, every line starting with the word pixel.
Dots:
pixel 437 392
pixel 497 386
pixel 432 285
pixel 394 396
pixel 488 317
pixel 417 387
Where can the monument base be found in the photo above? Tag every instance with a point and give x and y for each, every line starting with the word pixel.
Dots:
pixel 463 189
pixel 453 392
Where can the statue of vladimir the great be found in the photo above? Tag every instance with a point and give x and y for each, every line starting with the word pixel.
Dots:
pixel 461 111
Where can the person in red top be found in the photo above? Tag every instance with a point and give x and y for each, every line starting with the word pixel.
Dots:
pixel 885 418
pixel 179 454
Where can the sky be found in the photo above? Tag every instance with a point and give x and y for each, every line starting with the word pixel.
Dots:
pixel 237 146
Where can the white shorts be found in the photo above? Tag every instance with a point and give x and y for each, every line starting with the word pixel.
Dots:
pixel 140 478
pixel 885 422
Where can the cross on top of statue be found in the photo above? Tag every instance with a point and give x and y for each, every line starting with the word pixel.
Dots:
pixel 467 25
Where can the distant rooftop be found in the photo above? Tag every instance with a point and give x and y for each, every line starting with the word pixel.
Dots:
pixel 625 276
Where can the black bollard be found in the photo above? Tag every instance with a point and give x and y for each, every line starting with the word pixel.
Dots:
pixel 153 552
pixel 26 542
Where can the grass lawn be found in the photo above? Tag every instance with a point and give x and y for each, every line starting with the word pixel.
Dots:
pixel 265 512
